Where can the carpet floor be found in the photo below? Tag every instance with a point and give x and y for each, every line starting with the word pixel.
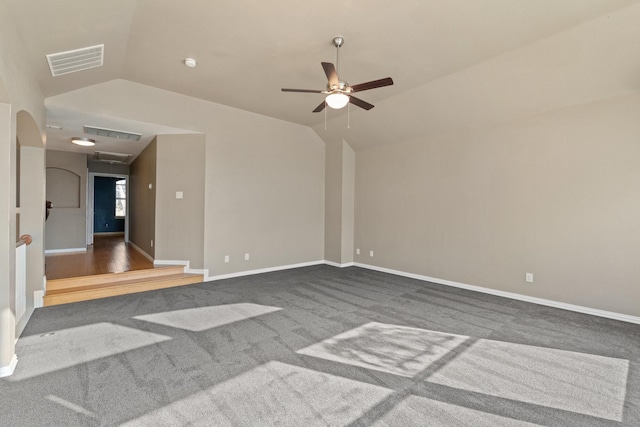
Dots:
pixel 321 346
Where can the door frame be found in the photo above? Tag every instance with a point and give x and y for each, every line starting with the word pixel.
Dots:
pixel 90 203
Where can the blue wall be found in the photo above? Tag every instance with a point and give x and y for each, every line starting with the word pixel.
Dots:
pixel 104 206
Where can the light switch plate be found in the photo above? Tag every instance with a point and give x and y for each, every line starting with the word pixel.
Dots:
pixel 179 195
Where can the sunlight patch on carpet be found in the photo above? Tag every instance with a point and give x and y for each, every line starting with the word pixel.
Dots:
pixel 398 350
pixel 272 394
pixel 435 413
pixel 202 318
pixel 578 382
pixel 41 354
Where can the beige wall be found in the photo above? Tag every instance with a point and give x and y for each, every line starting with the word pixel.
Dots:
pixel 18 91
pixel 348 203
pixel 66 227
pixel 7 241
pixel 108 168
pixel 333 202
pixel 264 178
pixel 339 202
pixel 556 195
pixel 32 221
pixel 179 223
pixel 142 199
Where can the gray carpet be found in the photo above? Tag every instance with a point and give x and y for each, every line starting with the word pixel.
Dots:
pixel 321 346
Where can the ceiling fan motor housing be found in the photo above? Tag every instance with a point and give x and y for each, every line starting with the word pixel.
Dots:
pixel 342 87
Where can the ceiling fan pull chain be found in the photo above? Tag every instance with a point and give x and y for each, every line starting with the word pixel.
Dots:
pixel 325 115
pixel 349 116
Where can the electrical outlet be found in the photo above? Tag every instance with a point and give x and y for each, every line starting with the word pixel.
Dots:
pixel 528 277
pixel 226 258
pixel 357 251
pixel 152 243
pixel 246 257
pixel 370 253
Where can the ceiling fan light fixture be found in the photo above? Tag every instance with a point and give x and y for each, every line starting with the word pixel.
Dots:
pixel 337 100
pixel 85 142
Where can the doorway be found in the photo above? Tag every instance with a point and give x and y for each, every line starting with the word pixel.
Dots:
pixel 107 205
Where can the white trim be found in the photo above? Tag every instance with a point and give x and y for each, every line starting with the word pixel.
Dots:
pixel 64 251
pixel 187 267
pixel 38 299
pixel 520 297
pixel 262 270
pixel 203 271
pixel 137 248
pixel 171 262
pixel 110 233
pixel 5 371
pixel 335 264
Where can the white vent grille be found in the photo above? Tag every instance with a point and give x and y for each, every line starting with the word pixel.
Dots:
pixel 112 133
pixel 76 60
pixel 104 156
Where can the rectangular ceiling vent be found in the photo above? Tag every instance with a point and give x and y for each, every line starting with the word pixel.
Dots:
pixel 112 133
pixel 104 156
pixel 76 60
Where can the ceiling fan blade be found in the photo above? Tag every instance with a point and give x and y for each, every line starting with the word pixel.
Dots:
pixel 302 90
pixel 320 107
pixel 330 71
pixel 372 85
pixel 360 103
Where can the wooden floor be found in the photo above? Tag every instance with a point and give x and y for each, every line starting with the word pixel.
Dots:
pixel 108 254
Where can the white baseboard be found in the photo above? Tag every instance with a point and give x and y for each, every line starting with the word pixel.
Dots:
pixel 335 264
pixel 109 233
pixel 5 371
pixel 262 270
pixel 137 248
pixel 203 271
pixel 38 299
pixel 171 262
pixel 64 251
pixel 519 297
pixel 187 266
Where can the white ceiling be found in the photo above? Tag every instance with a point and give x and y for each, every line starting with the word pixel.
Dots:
pixel 455 63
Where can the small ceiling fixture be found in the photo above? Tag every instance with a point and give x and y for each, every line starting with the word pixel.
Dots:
pixel 190 62
pixel 85 142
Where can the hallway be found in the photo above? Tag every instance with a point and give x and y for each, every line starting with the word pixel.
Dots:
pixel 109 254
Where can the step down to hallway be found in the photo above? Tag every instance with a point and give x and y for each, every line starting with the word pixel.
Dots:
pixel 74 289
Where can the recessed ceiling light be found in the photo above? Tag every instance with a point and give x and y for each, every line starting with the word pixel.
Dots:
pixel 190 62
pixel 85 142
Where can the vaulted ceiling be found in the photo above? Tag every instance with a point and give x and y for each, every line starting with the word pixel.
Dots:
pixel 456 64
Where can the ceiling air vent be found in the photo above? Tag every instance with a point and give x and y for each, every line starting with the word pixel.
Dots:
pixel 112 133
pixel 76 60
pixel 104 156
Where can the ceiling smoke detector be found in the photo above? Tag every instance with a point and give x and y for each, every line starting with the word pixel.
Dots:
pixel 190 62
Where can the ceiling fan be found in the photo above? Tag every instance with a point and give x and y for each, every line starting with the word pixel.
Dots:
pixel 340 93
